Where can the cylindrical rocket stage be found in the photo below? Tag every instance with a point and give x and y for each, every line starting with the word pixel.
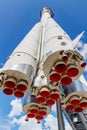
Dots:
pixel 21 66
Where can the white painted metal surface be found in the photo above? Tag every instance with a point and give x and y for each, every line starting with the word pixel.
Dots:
pixel 22 63
pixel 58 47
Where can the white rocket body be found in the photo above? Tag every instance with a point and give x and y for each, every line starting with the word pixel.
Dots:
pixel 62 62
pixel 20 67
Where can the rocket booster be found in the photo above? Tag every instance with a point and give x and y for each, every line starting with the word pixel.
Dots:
pixel 62 62
pixel 18 72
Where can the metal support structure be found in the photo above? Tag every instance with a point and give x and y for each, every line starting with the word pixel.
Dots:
pixel 76 120
pixel 69 119
pixel 83 120
pixel 59 116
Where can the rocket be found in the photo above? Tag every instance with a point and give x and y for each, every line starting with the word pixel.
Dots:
pixel 42 66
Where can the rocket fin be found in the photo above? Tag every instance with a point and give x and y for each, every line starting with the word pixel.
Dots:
pixel 77 39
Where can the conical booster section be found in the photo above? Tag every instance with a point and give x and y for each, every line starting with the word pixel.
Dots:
pixel 62 62
pixel 21 66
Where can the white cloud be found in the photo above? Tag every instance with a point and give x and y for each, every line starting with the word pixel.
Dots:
pixel 31 124
pixel 83 80
pixel 83 49
pixel 53 108
pixel 67 126
pixel 51 122
pixel 16 108
pixel 80 44
pixel 20 122
pixel 5 127
pixel 4 124
pixel 23 125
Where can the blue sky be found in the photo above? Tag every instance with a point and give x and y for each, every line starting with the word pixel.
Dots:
pixel 17 17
